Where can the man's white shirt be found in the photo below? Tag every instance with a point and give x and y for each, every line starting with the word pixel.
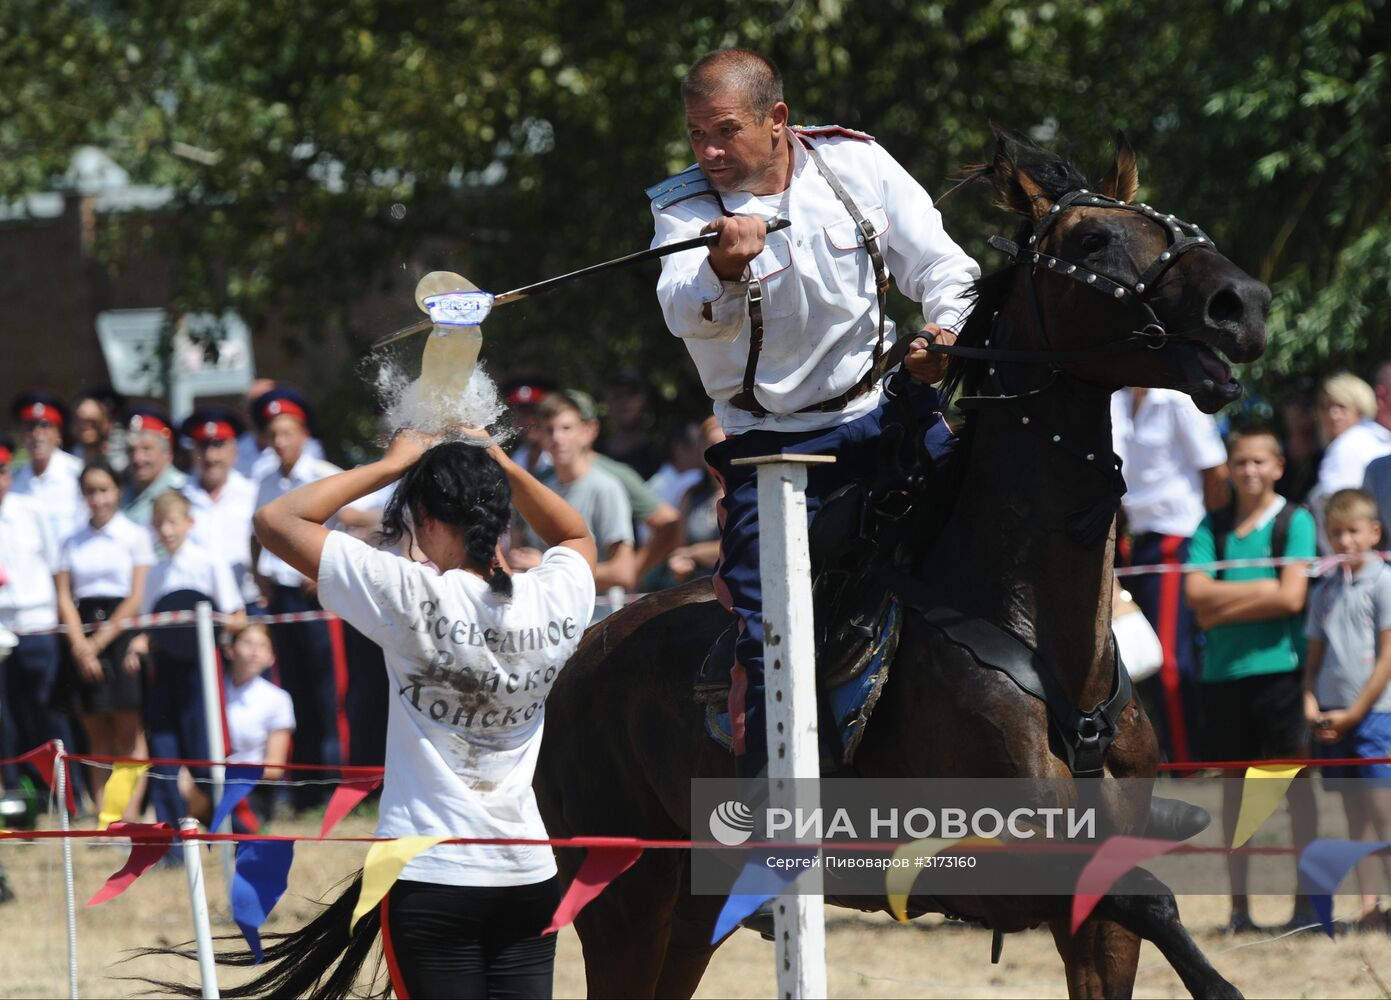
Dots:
pixel 28 557
pixel 275 485
pixel 57 491
pixel 820 307
pixel 223 526
pixel 1164 446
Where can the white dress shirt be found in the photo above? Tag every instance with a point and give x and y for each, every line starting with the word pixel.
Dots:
pixel 1344 467
pixel 58 492
pixel 307 470
pixel 101 561
pixel 28 555
pixel 254 711
pixel 1164 448
pixel 193 568
pixel 255 462
pixel 223 526
pixel 820 308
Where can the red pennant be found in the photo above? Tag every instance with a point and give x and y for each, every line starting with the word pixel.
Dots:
pixel 1115 857
pixel 45 761
pixel 345 799
pixel 601 866
pixel 148 843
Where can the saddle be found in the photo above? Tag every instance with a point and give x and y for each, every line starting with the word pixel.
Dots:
pixel 865 546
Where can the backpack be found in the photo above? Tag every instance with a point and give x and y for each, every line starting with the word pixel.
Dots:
pixel 1224 520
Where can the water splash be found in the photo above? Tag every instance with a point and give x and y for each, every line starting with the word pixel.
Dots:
pixel 408 404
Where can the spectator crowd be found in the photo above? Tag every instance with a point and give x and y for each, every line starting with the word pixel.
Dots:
pixel 109 511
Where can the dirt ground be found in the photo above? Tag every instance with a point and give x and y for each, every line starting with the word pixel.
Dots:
pixel 865 956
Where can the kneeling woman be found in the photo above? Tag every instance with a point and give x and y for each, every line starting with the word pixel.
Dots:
pixel 472 654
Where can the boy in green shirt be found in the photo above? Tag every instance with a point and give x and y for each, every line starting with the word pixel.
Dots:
pixel 1252 687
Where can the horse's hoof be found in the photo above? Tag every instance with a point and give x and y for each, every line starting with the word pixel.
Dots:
pixel 1171 819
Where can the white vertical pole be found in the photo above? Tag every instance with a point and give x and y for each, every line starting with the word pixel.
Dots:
pixel 789 672
pixel 198 900
pixel 60 788
pixel 212 714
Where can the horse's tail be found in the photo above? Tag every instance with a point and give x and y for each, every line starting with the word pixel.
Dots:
pixel 322 960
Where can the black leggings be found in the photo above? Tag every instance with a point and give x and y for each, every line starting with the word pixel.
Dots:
pixel 472 941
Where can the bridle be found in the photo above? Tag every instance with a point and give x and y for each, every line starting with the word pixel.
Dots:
pixel 1150 331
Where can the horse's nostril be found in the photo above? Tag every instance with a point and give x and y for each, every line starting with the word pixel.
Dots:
pixel 1225 307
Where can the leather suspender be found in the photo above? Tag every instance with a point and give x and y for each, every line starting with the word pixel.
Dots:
pixel 745 398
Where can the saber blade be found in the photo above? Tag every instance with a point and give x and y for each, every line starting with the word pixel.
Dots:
pixel 526 291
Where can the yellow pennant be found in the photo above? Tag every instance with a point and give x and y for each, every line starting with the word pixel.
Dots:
pixel 385 859
pixel 119 788
pixel 1261 794
pixel 899 879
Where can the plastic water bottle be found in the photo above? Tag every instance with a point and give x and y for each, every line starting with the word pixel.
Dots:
pixel 451 351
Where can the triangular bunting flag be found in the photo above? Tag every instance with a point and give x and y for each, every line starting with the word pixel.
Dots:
pixel 259 880
pixel 119 788
pixel 1261 794
pixel 239 782
pixel 345 799
pixel 1115 857
pixel 757 883
pixel 1324 864
pixel 148 843
pixel 898 881
pixel 385 859
pixel 601 866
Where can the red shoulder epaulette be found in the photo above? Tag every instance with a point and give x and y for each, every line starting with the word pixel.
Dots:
pixel 818 131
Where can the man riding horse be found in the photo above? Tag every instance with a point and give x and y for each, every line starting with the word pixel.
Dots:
pixel 788 330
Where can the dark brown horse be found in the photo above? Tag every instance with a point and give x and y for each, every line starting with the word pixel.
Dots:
pixel 624 738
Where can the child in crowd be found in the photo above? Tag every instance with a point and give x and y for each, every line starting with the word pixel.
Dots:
pixel 101 581
pixel 1346 699
pixel 260 716
pixel 187 574
pixel 1252 688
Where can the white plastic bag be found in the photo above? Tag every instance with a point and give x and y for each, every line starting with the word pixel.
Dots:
pixel 1135 638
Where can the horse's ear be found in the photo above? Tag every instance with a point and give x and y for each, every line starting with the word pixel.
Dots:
pixel 1016 190
pixel 1123 179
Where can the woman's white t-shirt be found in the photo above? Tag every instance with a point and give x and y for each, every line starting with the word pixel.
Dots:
pixel 470 672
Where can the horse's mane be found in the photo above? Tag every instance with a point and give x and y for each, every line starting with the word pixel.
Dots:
pixel 1055 176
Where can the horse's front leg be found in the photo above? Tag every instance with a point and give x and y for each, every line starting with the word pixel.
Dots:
pixel 1100 959
pixel 1145 905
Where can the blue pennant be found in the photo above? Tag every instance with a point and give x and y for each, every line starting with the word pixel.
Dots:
pixel 1324 864
pixel 262 873
pixel 757 883
pixel 240 780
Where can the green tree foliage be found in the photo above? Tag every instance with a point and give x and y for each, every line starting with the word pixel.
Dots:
pixel 317 150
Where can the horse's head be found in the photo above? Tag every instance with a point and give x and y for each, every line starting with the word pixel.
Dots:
pixel 1122 294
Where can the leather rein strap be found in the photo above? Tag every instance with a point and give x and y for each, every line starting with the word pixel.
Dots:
pixel 745 398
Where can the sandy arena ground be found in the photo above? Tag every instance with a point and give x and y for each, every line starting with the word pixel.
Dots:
pixel 866 956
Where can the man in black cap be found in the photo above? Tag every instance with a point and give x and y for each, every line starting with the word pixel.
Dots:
pixel 150 448
pixel 223 499
pixel 303 650
pixel 50 476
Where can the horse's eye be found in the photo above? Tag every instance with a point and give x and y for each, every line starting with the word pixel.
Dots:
pixel 1093 242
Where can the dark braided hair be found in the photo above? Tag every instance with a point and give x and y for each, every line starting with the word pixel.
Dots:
pixel 459 484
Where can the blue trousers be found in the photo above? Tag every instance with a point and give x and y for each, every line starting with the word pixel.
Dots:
pixel 31 709
pixel 857 447
pixel 304 658
pixel 176 726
